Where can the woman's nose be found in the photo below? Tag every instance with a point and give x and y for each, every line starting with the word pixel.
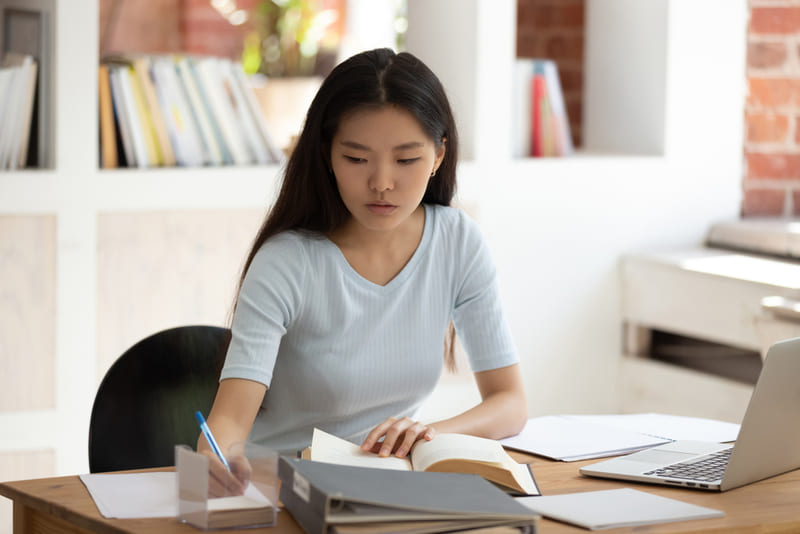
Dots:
pixel 382 179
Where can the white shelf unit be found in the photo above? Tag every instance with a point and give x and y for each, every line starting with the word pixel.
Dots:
pixel 556 227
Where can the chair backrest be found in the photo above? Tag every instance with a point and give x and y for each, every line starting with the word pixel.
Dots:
pixel 146 402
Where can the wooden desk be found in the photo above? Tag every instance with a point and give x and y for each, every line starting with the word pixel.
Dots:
pixel 771 506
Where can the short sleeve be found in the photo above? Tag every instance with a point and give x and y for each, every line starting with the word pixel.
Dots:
pixel 478 314
pixel 268 302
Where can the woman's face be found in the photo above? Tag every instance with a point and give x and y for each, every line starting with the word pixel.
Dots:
pixel 382 160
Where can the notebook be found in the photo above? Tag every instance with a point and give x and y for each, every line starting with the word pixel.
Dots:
pixel 768 443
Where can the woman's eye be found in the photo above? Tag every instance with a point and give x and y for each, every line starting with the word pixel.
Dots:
pixel 407 161
pixel 353 159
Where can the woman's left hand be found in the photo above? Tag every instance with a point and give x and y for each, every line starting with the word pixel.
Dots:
pixel 399 435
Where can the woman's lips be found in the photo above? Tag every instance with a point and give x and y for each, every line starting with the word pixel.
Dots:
pixel 381 208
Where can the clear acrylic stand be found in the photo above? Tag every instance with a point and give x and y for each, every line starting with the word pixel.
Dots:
pixel 256 508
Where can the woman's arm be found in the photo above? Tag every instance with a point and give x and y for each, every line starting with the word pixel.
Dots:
pixel 503 409
pixel 232 415
pixel 502 412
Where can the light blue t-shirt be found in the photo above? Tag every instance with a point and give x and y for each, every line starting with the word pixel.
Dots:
pixel 341 353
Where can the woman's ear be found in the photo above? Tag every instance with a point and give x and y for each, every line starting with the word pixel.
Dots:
pixel 440 153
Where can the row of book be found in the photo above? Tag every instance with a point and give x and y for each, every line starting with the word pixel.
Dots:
pixel 540 125
pixel 168 110
pixel 17 95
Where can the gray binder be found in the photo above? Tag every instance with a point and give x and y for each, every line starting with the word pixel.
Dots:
pixel 325 498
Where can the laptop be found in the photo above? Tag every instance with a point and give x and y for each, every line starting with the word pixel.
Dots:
pixel 768 443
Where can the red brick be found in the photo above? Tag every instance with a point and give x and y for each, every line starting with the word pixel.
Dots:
pixel 571 77
pixel 763 202
pixel 564 46
pixel 797 131
pixel 766 127
pixel 774 166
pixel 766 55
pixel 150 27
pixel 773 92
pixel 772 20
pixel 548 16
pixel 542 13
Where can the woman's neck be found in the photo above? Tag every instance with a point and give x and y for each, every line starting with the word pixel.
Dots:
pixel 379 256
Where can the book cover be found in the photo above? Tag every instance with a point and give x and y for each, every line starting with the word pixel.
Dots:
pixel 623 507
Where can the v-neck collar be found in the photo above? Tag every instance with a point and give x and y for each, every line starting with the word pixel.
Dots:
pixel 404 273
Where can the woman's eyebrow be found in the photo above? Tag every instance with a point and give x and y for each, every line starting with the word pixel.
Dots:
pixel 403 146
pixel 353 144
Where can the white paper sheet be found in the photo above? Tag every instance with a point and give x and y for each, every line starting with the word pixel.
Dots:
pixel 623 507
pixel 581 437
pixel 142 495
pixel 671 427
pixel 133 495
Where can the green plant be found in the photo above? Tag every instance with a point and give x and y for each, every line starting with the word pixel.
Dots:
pixel 288 37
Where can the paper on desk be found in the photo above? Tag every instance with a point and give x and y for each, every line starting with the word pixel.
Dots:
pixel 142 495
pixel 581 437
pixel 134 495
pixel 561 438
pixel 671 427
pixel 623 507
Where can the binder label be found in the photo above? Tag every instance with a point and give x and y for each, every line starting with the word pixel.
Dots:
pixel 301 487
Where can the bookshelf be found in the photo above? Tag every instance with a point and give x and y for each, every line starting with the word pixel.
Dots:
pixel 181 233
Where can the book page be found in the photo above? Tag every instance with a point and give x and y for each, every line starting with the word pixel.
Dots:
pixel 461 446
pixel 252 498
pixel 333 450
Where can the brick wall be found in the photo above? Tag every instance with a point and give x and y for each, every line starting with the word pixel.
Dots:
pixel 553 29
pixel 771 184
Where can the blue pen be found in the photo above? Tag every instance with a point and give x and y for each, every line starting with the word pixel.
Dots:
pixel 210 438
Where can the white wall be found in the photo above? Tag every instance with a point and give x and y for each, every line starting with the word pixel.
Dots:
pixel 557 227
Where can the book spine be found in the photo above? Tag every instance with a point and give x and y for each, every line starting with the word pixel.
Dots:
pixel 122 125
pixel 142 118
pixel 135 127
pixel 161 141
pixel 208 70
pixel 211 150
pixel 108 142
pixel 537 117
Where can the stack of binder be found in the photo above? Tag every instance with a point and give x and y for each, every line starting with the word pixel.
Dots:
pixel 327 498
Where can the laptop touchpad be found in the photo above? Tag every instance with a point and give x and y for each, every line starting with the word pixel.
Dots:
pixel 660 457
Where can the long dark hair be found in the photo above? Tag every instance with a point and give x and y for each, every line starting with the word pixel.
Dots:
pixel 309 199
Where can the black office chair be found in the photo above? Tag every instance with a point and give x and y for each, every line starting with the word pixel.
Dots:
pixel 146 402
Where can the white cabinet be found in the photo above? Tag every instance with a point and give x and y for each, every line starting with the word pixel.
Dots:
pixel 708 294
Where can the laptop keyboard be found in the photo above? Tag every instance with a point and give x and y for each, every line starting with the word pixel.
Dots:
pixel 706 469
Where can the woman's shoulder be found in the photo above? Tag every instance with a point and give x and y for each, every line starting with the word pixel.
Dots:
pixel 290 248
pixel 453 222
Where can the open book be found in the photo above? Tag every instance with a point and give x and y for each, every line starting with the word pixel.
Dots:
pixel 446 453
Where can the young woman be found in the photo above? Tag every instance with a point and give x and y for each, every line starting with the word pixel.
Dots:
pixel 356 273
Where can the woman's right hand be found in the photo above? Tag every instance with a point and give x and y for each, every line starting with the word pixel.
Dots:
pixel 223 483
